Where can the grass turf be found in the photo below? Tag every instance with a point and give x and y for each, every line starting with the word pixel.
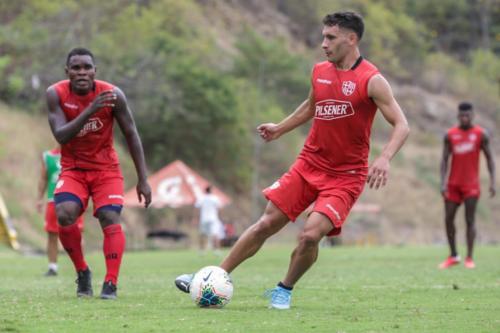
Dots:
pixel 349 289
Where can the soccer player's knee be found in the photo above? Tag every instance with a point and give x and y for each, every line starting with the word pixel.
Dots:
pixel 309 239
pixel 65 217
pixel 107 217
pixel 264 226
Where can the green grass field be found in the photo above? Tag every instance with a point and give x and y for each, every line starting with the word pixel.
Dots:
pixel 350 289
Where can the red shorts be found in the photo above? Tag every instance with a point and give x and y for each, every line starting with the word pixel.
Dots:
pixel 303 184
pixel 105 187
pixel 51 224
pixel 458 193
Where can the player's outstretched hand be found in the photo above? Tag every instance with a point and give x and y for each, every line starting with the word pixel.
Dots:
pixel 493 191
pixel 378 172
pixel 105 99
pixel 268 131
pixel 144 191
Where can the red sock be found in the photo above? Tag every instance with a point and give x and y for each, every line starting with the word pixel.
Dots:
pixel 113 247
pixel 71 240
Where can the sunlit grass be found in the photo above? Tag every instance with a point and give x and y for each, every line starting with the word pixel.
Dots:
pixel 371 289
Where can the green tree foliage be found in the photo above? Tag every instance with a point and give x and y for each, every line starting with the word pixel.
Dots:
pixel 189 106
pixel 275 71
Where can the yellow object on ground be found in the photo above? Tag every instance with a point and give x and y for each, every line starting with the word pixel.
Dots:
pixel 7 232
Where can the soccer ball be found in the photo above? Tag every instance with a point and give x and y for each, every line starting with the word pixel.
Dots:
pixel 211 287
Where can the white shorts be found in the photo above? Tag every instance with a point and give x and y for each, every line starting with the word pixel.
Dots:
pixel 212 228
pixel 206 228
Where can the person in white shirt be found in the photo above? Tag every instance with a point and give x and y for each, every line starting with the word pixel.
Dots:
pixel 210 226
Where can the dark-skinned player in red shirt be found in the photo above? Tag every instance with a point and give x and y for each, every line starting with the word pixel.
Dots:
pixel 333 166
pixel 81 115
pixel 460 182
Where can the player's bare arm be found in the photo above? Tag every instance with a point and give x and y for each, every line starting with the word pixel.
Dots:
pixel 381 93
pixel 65 130
pixel 123 116
pixel 444 163
pixel 302 114
pixel 42 186
pixel 490 161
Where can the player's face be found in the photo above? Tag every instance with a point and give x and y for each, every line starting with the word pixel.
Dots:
pixel 336 43
pixel 465 118
pixel 81 72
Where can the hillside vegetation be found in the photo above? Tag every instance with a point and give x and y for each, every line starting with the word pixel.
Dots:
pixel 200 75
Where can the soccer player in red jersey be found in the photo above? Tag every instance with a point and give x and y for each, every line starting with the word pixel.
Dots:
pixel 332 168
pixel 81 115
pixel 463 144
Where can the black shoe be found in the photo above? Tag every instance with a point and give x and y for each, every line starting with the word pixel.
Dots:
pixel 108 290
pixel 84 282
pixel 50 272
pixel 183 282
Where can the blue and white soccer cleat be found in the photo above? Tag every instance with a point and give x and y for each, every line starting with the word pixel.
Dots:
pixel 279 298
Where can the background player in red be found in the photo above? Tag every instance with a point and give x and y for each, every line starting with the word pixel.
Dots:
pixel 49 174
pixel 463 144
pixel 333 167
pixel 81 115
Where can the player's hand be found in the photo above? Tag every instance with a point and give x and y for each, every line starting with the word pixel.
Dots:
pixel 443 190
pixel 105 99
pixel 378 172
pixel 144 191
pixel 493 191
pixel 268 131
pixel 39 205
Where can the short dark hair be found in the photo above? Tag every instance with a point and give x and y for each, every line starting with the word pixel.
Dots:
pixel 79 51
pixel 465 106
pixel 347 20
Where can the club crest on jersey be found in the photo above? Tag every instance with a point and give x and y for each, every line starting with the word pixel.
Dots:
pixel 330 109
pixel 92 125
pixel 348 87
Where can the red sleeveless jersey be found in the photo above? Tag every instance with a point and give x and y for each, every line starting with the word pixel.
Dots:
pixel 339 139
pixel 465 148
pixel 92 148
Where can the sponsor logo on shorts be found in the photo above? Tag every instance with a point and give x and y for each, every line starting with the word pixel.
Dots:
pixel 331 109
pixel 324 81
pixel 115 196
pixel 60 183
pixel 92 125
pixel 334 211
pixel 275 185
pixel 348 87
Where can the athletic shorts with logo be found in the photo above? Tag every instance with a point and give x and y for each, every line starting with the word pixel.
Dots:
pixel 105 187
pixel 458 193
pixel 303 185
pixel 51 224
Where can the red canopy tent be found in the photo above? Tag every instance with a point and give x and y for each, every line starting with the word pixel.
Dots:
pixel 174 186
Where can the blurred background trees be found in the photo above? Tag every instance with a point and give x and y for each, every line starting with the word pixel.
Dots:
pixel 200 75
